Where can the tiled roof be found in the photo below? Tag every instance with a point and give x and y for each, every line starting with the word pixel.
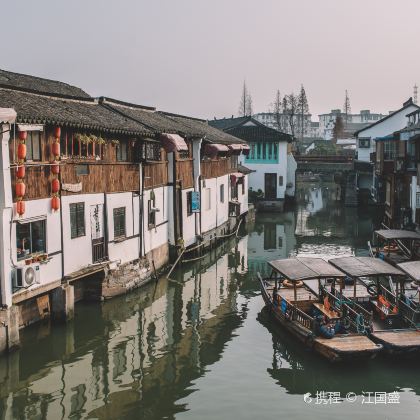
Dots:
pixel 202 129
pixel 79 113
pixel 250 133
pixel 38 84
pixel 226 123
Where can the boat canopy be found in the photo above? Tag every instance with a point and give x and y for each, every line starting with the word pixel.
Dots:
pixel 365 267
pixel 305 268
pixel 395 234
pixel 412 268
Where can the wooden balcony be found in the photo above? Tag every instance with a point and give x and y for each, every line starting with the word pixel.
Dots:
pixel 185 172
pixel 92 177
pixel 155 174
pixel 215 168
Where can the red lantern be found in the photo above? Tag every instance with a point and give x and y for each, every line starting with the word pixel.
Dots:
pixel 20 207
pixel 20 189
pixel 56 149
pixel 57 132
pixel 22 151
pixel 55 169
pixel 55 203
pixel 55 186
pixel 23 135
pixel 20 172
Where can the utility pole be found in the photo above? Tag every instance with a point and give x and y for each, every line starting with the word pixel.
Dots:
pixel 415 93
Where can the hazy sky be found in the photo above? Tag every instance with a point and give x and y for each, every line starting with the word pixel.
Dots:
pixel 191 56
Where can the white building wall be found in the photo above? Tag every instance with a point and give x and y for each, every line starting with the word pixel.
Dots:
pixel 78 251
pixel 158 235
pixel 188 221
pixel 291 176
pixel 388 126
pixel 51 270
pixel 257 178
pixel 128 249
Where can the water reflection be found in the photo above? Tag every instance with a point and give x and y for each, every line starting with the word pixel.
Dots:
pixel 151 353
pixel 133 356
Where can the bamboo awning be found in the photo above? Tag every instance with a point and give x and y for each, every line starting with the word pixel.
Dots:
pixel 395 234
pixel 305 268
pixel 7 115
pixel 245 149
pixel 173 142
pixel 365 267
pixel 214 149
pixel 235 149
pixel 412 268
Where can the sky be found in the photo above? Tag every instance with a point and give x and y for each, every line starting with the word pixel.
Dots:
pixel 192 56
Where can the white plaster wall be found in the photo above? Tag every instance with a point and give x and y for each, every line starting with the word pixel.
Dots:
pixel 188 221
pixel 243 198
pixel 291 175
pixel 218 212
pixel 50 271
pixel 156 236
pixel 257 178
pixel 388 126
pixel 78 251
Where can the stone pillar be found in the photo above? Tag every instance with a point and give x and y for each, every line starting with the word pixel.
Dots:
pixel 62 303
pixel 9 329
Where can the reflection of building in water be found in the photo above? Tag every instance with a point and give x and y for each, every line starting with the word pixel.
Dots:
pixel 273 238
pixel 149 347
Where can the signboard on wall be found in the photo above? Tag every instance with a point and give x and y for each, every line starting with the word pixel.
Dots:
pixel 195 201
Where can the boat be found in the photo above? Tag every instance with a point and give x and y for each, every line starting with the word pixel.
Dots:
pixel 313 318
pixel 395 245
pixel 381 287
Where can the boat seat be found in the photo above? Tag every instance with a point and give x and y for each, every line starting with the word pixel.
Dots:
pixel 329 313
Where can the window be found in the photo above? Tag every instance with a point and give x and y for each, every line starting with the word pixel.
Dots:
pixel 390 150
pixel 33 145
pixel 189 203
pixel 122 151
pixel 280 242
pixel 81 169
pixel 119 222
pixel 77 220
pixel 364 143
pixel 280 180
pixel 151 213
pixel 150 151
pixel 222 193
pixel 275 151
pixel 30 238
pixel 388 193
pixel 264 150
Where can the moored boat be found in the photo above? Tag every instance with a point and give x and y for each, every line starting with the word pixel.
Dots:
pixel 319 321
pixel 395 245
pixel 380 287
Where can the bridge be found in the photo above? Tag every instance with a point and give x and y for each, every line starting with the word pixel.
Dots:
pixel 324 164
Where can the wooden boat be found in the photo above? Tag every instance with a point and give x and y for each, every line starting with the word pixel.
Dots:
pixel 380 287
pixel 395 245
pixel 288 294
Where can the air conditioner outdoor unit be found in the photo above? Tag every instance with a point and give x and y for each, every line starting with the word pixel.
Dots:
pixel 26 276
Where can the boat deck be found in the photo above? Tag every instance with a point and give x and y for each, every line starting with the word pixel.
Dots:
pixel 301 294
pixel 399 338
pixel 348 343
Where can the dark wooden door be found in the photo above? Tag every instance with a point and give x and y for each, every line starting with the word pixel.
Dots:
pixel 270 186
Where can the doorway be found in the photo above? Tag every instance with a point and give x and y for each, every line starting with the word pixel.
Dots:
pixel 270 186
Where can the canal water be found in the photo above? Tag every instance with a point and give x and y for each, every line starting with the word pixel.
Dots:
pixel 200 345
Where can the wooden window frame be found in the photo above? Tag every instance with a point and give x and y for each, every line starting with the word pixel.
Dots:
pixel 120 229
pixel 75 218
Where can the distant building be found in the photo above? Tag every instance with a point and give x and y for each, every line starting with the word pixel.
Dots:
pixel 270 159
pixel 354 122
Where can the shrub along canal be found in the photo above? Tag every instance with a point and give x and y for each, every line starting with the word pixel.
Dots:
pixel 199 345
